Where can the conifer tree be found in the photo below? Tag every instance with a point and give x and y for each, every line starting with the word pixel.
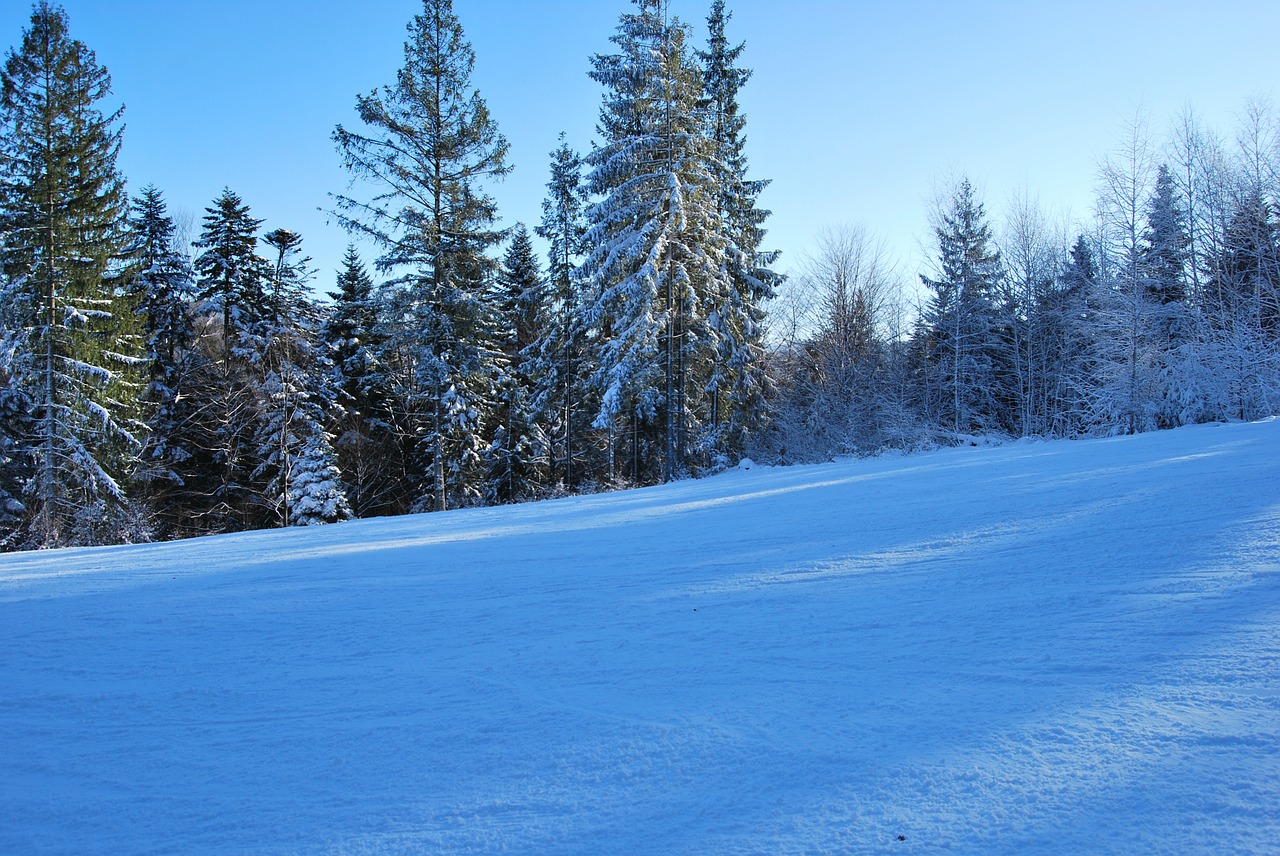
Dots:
pixel 557 387
pixel 958 321
pixel 518 455
pixel 657 253
pixel 296 468
pixel 231 272
pixel 62 217
pixel 369 454
pixel 426 145
pixel 231 307
pixel 737 315
pixel 162 289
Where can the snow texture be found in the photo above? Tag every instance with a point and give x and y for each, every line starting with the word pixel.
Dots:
pixel 1059 647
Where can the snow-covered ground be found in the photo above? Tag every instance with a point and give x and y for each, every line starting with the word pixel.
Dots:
pixel 1038 648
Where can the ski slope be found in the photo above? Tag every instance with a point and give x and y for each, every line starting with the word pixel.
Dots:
pixel 1066 647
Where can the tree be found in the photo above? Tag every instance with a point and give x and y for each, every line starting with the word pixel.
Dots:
pixel 958 322
pixel 559 349
pixel 62 215
pixel 831 399
pixel 518 456
pixel 1128 367
pixel 300 484
pixel 657 252
pixel 736 317
pixel 162 290
pixel 427 145
pixel 231 304
pixel 369 453
pixel 231 272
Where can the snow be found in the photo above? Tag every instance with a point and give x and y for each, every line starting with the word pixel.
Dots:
pixel 1059 647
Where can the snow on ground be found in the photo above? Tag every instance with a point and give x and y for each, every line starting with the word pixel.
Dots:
pixel 1067 647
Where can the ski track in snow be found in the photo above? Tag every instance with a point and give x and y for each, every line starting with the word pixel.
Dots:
pixel 1064 647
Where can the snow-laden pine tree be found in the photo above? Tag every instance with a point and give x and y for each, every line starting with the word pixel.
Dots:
pixel 657 263
pixel 559 357
pixel 63 215
pixel 425 146
pixel 1071 308
pixel 369 451
pixel 162 289
pixel 518 458
pixel 296 473
pixel 736 386
pixel 231 274
pixel 958 326
pixel 1164 258
pixel 231 304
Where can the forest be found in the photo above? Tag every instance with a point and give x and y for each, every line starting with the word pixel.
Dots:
pixel 157 385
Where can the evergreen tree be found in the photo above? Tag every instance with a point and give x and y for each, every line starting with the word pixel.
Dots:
pixel 231 308
pixel 428 143
pixel 657 258
pixel 518 456
pixel 958 324
pixel 369 454
pixel 737 314
pixel 231 272
pixel 1074 304
pixel 62 215
pixel 1165 243
pixel 1164 256
pixel 162 290
pixel 296 468
pixel 557 390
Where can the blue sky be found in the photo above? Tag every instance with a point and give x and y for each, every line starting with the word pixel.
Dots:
pixel 857 110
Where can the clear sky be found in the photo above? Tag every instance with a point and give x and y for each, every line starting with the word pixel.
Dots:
pixel 856 111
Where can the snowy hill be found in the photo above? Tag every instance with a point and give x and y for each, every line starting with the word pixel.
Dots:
pixel 1040 648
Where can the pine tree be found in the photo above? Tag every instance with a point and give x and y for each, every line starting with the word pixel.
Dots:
pixel 958 322
pixel 737 315
pixel 231 272
pixel 231 307
pixel 559 351
pixel 62 215
pixel 300 483
pixel 162 290
pixel 657 255
pixel 518 456
pixel 1163 264
pixel 369 453
pixel 429 142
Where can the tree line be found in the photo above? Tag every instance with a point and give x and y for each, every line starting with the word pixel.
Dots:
pixel 153 386
pixel 1161 312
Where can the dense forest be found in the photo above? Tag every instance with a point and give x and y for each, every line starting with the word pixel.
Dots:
pixel 156 386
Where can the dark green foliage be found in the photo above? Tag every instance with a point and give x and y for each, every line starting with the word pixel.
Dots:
pixel 62 218
pixel 957 327
pixel 426 144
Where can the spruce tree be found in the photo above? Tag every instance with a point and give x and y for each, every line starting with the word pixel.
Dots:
pixel 558 390
pixel 162 289
pixel 296 475
pixel 231 307
pixel 369 452
pixel 518 455
pixel 657 257
pixel 959 320
pixel 736 318
pixel 426 145
pixel 62 217
pixel 231 272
